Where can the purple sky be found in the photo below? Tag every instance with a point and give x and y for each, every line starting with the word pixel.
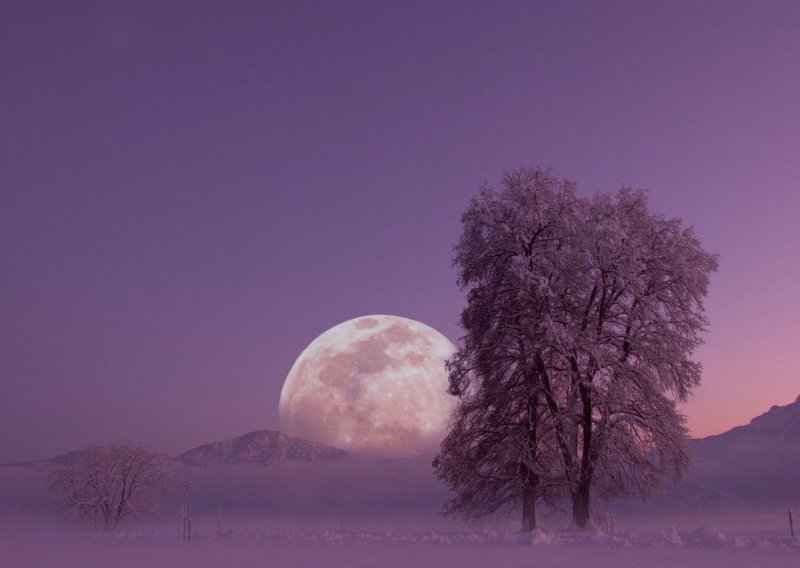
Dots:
pixel 192 192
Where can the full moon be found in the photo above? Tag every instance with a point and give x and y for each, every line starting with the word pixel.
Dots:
pixel 375 385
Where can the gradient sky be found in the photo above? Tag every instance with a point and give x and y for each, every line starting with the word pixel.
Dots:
pixel 191 192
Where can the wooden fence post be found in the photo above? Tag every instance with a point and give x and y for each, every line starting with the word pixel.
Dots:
pixel 186 509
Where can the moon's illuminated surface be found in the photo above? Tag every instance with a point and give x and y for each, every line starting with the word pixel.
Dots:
pixel 374 384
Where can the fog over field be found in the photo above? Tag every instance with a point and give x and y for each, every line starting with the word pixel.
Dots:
pixel 356 514
pixel 731 510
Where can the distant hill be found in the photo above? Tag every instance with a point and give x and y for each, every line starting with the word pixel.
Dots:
pixel 748 467
pixel 66 458
pixel 265 447
pixel 780 424
pixel 757 464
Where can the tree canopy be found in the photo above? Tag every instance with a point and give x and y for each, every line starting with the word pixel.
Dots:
pixel 582 318
pixel 106 484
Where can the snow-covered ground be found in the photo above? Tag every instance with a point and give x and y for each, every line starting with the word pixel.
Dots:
pixel 31 543
pixel 288 518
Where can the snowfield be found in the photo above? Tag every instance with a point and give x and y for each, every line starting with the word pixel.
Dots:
pixel 26 545
pixel 312 516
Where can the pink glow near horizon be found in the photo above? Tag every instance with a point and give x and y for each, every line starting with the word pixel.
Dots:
pixel 193 192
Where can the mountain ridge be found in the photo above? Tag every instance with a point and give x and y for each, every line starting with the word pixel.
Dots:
pixel 259 447
pixel 263 447
pixel 778 424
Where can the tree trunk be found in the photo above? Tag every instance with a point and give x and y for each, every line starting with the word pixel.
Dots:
pixel 530 489
pixel 530 480
pixel 529 509
pixel 581 497
pixel 580 505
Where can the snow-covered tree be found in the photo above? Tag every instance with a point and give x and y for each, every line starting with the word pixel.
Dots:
pixel 106 484
pixel 581 321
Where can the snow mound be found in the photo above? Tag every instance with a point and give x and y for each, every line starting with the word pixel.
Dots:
pixel 702 538
pixel 541 537
pixel 710 536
